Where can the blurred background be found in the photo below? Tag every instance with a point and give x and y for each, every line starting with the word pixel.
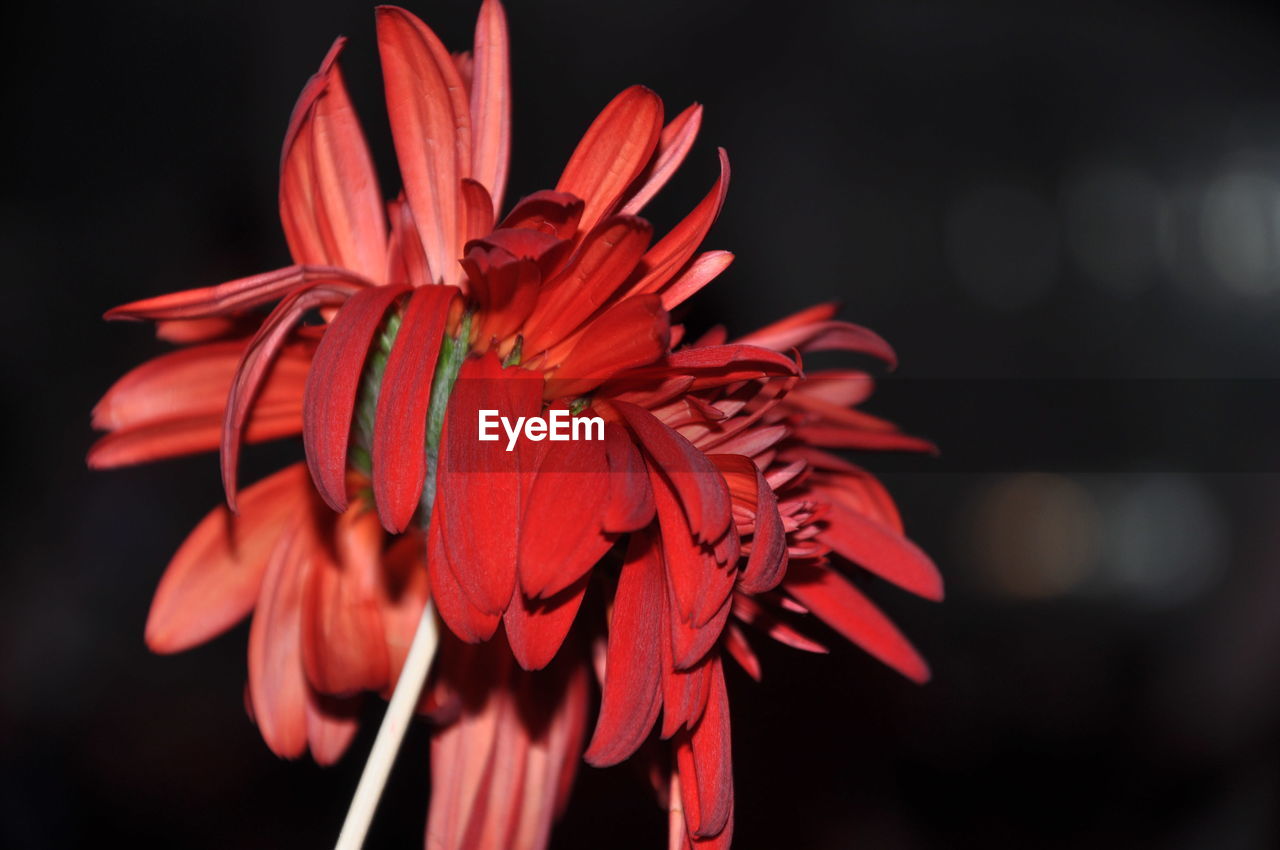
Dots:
pixel 1065 216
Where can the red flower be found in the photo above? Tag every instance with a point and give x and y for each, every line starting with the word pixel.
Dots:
pixel 710 501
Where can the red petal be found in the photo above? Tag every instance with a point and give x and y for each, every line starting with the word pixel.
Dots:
pixel 431 128
pixel 215 576
pixel 594 274
pixel 614 151
pixel 632 333
pixel 843 607
pixel 630 506
pixel 195 381
pixel 673 146
pixel 701 490
pixel 491 102
pixel 330 204
pixel 400 423
pixel 706 765
pixel 735 642
pixel 665 259
pixel 560 536
pixel 235 296
pixel 479 483
pixel 166 438
pixel 256 363
pixel 404 592
pixel 332 724
pixel 462 617
pixel 699 585
pixel 278 690
pixel 555 213
pixel 823 336
pixel 881 550
pixel 536 628
pixel 632 691
pixel 477 210
pixel 706 268
pixel 333 385
pixel 343 643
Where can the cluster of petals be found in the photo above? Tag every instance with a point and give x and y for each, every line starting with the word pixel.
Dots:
pixel 714 503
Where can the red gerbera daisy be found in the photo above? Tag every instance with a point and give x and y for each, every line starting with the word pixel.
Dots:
pixel 709 500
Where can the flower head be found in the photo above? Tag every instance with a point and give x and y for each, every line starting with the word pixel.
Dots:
pixel 710 502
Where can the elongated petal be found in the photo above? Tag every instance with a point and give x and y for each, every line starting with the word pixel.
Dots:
pixel 159 439
pixel 665 259
pixel 704 759
pixel 333 385
pixel 881 550
pixel 673 146
pixel 431 127
pixel 195 381
pixel 462 617
pixel 332 723
pixel 277 687
pixel 613 153
pixel 823 336
pixel 632 692
pixel 330 204
pixel 840 605
pixel 216 575
pixel 400 423
pixel 235 296
pixel 704 269
pixel 479 482
pixel 491 102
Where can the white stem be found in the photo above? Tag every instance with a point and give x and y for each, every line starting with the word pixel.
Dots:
pixel 404 700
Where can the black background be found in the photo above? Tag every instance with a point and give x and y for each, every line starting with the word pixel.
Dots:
pixel 1013 194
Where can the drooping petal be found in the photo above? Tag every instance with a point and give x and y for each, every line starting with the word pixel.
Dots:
pixel 499 770
pixel 840 605
pixel 479 482
pixel 330 204
pixel 332 723
pixel 400 423
pixel 536 628
pixel 256 364
pixel 431 127
pixel 333 385
pixel 457 610
pixel 491 102
pixel 343 641
pixel 560 533
pixel 613 153
pixel 632 692
pixel 630 504
pixel 698 484
pixel 216 574
pixel 703 757
pixel 278 689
